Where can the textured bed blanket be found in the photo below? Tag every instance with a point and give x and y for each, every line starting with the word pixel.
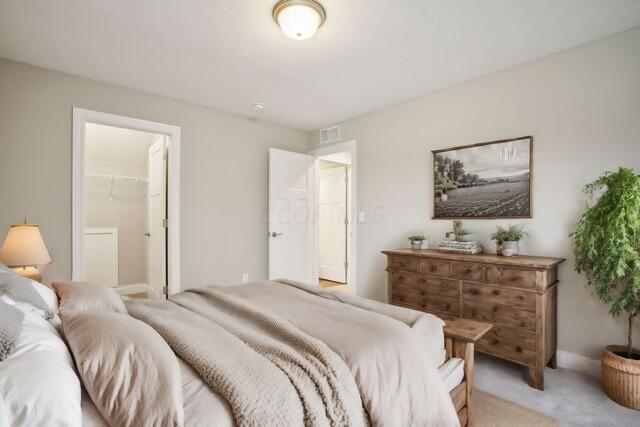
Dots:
pixel 283 356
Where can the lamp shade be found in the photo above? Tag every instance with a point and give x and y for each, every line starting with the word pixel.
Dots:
pixel 24 247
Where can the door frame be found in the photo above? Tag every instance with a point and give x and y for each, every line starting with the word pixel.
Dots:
pixel 83 116
pixel 352 247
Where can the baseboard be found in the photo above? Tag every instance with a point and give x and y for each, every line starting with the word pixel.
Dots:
pixel 579 363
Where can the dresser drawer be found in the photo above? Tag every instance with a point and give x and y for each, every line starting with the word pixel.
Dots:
pixel 499 314
pixel 435 267
pixel 522 300
pixel 403 277
pixel 406 263
pixel 509 343
pixel 467 271
pixel 435 286
pixel 443 304
pixel 511 276
pixel 423 298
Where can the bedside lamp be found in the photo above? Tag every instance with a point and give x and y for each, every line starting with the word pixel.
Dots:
pixel 24 250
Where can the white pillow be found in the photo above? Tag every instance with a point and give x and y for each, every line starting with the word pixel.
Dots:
pixel 48 295
pixel 38 382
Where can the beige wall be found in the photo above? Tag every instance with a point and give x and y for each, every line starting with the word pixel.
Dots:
pixel 223 175
pixel 582 107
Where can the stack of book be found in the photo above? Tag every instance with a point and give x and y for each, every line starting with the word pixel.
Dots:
pixel 458 247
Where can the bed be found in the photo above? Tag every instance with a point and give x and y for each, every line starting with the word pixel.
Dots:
pixel 264 353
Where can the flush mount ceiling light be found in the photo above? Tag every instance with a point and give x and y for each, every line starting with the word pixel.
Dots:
pixel 299 19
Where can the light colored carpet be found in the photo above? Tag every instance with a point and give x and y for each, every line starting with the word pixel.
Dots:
pixel 492 411
pixel 574 400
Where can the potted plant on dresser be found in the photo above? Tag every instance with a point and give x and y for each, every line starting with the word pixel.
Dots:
pixel 607 251
pixel 416 241
pixel 508 241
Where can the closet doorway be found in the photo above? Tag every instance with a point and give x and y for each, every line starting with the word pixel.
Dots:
pixel 124 206
pixel 336 223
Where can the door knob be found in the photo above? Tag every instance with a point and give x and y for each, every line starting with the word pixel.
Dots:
pixel 147 234
pixel 274 234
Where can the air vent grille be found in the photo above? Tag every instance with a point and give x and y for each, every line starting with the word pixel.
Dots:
pixel 330 134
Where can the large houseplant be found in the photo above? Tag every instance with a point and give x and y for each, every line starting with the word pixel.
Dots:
pixel 607 251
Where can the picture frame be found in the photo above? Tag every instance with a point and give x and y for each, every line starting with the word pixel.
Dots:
pixel 487 180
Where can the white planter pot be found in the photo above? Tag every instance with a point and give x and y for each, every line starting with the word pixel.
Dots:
pixel 416 244
pixel 510 248
pixel 444 197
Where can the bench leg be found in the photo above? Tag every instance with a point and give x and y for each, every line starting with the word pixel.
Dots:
pixel 465 351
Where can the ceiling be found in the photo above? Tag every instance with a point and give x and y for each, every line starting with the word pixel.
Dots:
pixel 229 54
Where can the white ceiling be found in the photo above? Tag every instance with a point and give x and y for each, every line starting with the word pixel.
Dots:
pixel 229 54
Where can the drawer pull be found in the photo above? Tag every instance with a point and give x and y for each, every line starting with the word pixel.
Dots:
pixel 447 306
pixel 496 292
pixel 519 349
pixel 475 292
pixel 494 308
pixel 423 293
pixel 514 278
pixel 400 278
pixel 433 269
pixel 467 271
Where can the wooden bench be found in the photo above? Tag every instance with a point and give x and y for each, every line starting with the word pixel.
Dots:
pixel 460 336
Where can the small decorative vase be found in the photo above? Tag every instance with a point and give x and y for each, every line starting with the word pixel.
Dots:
pixel 512 247
pixel 416 244
pixel 444 197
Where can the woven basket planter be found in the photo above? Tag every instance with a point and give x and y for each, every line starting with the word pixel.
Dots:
pixel 621 376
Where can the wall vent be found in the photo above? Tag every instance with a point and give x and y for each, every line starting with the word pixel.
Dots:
pixel 330 134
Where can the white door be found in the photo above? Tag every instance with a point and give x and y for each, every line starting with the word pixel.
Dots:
pixel 332 224
pixel 157 214
pixel 291 212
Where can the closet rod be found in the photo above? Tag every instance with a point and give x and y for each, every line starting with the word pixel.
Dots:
pixel 123 177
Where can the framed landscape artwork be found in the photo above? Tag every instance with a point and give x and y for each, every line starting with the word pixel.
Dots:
pixel 483 181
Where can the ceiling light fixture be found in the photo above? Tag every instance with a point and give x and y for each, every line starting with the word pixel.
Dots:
pixel 299 19
pixel 258 106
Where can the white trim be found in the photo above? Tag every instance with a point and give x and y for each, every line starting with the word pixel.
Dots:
pixel 352 271
pixel 579 363
pixel 81 117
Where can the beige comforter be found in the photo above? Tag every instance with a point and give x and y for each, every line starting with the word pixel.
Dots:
pixel 280 355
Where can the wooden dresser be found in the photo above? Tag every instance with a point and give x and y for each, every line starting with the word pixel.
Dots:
pixel 518 295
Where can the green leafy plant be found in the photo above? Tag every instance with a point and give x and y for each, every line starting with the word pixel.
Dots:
pixel 606 243
pixel 513 233
pixel 457 228
pixel 417 238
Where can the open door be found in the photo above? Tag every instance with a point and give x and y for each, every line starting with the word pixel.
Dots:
pixel 332 224
pixel 291 214
pixel 157 217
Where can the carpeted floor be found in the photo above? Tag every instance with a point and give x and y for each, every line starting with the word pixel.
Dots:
pixel 571 398
pixel 492 411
